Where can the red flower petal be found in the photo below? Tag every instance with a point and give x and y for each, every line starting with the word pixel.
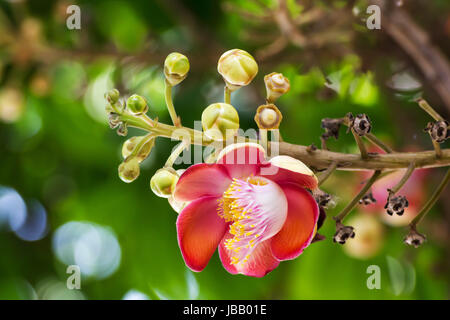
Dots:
pixel 300 225
pixel 260 263
pixel 242 159
pixel 283 169
pixel 280 176
pixel 201 180
pixel 200 230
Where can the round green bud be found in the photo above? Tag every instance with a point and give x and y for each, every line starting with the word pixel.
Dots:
pixel 129 145
pixel 163 182
pixel 176 68
pixel 237 67
pixel 129 170
pixel 112 96
pixel 137 104
pixel 144 150
pixel 220 121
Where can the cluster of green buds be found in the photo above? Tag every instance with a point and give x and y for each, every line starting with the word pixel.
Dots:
pixel 220 121
pixel 132 112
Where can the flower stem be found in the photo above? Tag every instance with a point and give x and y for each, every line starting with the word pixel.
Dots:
pixel 361 146
pixel 227 95
pixel 356 199
pixel 176 152
pixel 429 109
pixel 437 148
pixel 324 176
pixel 372 138
pixel 141 143
pixel 431 201
pixel 170 106
pixel 404 179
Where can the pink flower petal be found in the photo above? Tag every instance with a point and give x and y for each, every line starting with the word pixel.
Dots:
pixel 200 229
pixel 280 176
pixel 202 180
pixel 300 225
pixel 242 159
pixel 260 263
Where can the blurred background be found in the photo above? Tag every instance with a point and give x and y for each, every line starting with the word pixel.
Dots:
pixel 62 202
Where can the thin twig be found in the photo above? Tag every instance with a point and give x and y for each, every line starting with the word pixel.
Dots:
pixel 431 201
pixel 404 179
pixel 361 146
pixel 429 109
pixel 356 199
pixel 372 138
pixel 437 148
pixel 326 174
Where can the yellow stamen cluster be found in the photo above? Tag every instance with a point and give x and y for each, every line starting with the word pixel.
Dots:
pixel 231 209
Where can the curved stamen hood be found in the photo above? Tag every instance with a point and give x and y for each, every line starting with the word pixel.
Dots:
pixel 257 210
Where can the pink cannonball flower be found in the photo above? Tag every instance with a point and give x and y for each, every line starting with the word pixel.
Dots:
pixel 256 212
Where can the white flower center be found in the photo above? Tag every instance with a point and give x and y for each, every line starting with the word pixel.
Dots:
pixel 257 210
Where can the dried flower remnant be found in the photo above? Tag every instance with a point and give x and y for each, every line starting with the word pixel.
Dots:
pixel 439 130
pixel 367 199
pixel 343 233
pixel 331 127
pixel 396 205
pixel 361 124
pixel 414 238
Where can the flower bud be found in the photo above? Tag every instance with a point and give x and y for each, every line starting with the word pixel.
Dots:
pixel 414 238
pixel 163 182
pixel 268 117
pixel 112 96
pixel 396 205
pixel 137 104
pixel 220 121
pixel 237 67
pixel 276 85
pixel 129 170
pixel 343 233
pixel 144 149
pixel 439 130
pixel 176 68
